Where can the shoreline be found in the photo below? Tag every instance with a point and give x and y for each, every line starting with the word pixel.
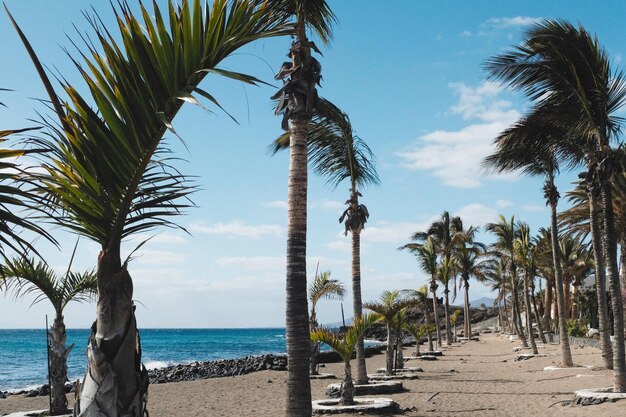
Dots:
pixel 478 377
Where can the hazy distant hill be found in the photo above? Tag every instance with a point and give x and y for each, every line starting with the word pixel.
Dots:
pixel 488 302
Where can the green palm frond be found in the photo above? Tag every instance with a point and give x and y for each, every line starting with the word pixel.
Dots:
pixel 23 277
pixel 316 15
pixel 108 173
pixel 389 304
pixel 346 345
pixel 324 287
pixel 426 254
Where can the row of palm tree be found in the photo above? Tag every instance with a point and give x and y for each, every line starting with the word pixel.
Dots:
pixel 574 94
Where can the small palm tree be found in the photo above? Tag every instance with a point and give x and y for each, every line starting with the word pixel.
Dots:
pixel 523 246
pixel 418 331
pixel 24 277
pixel 107 175
pixel 389 305
pixel 344 347
pixel 322 287
pixel 398 324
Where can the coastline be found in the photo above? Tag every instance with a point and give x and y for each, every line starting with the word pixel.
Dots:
pixel 479 378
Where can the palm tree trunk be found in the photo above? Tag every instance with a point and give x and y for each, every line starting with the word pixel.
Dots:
pixel 389 352
pixel 447 307
pixel 539 325
pixel 467 325
pixel 547 309
pixel 575 295
pixel 347 388
pixel 58 365
pixel 399 355
pixel 297 322
pixel 433 288
pixel 428 335
pixel 567 296
pixel 116 383
pixel 610 251
pixel 598 257
pixel 517 316
pixel 361 370
pixel 566 353
pixel 529 321
pixel 315 353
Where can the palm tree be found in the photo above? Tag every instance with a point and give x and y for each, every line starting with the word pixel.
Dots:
pixel 389 305
pixel 106 170
pixel 506 232
pixel 24 277
pixel 577 266
pixel 398 323
pixel 470 262
pixel 446 233
pixel 420 300
pixel 297 102
pixel 495 277
pixel 564 68
pixel 345 348
pixel 426 254
pixel 338 154
pixel 418 331
pixel 445 271
pixel 321 287
pixel 523 246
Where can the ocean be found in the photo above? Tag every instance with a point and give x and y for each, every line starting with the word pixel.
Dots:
pixel 23 351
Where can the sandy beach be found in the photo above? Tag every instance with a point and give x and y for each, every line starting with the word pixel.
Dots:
pixel 476 378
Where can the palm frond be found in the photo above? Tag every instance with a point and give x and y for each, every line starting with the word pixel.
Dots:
pixel 325 287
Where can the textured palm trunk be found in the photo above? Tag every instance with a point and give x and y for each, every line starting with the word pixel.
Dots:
pixel 566 353
pixel 58 365
pixel 315 353
pixel 347 387
pixel 433 288
pixel 517 316
pixel 539 325
pixel 357 305
pixel 116 384
pixel 399 354
pixel 622 272
pixel 598 257
pixel 610 251
pixel 447 311
pixel 467 325
pixel 529 321
pixel 389 352
pixel 297 316
pixel 574 302
pixel 428 335
pixel 505 319
pixel 567 296
pixel 547 309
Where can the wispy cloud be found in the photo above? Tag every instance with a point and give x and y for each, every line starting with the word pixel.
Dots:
pixel 508 22
pixel 158 257
pixel 253 262
pixel 476 214
pixel 503 203
pixel 393 232
pixel 465 34
pixel 237 228
pixel 281 204
pixel 339 245
pixel 455 156
pixel 328 204
pixel 533 207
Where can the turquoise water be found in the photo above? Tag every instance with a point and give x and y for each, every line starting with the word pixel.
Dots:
pixel 23 352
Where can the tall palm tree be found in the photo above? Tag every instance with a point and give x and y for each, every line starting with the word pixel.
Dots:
pixel 344 347
pixel 337 153
pixel 24 277
pixel 106 170
pixel 321 287
pixel 389 305
pixel 445 271
pixel 446 233
pixel 496 279
pixel 297 102
pixel 426 254
pixel 530 146
pixel 506 232
pixel 577 266
pixel 523 246
pixel 471 262
pixel 563 67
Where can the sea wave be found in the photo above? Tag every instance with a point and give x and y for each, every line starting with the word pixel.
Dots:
pixel 157 364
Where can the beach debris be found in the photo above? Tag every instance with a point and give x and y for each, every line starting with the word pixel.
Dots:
pixel 597 396
pixel 374 405
pixel 374 388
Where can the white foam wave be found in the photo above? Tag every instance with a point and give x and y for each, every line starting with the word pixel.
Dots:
pixel 157 364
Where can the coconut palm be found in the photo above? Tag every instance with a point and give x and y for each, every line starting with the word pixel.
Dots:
pixel 24 277
pixel 506 232
pixel 564 68
pixel 470 262
pixel 344 347
pixel 297 102
pixel 321 287
pixel 389 305
pixel 338 154
pixel 523 246
pixel 106 170
pixel 426 254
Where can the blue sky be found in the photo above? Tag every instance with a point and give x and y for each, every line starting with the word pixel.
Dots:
pixel 409 74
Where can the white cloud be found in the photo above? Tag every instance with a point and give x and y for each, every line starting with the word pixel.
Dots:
pixel 281 204
pixel 165 238
pixel 393 232
pixel 455 156
pixel 476 214
pixel 503 203
pixel 328 204
pixel 158 257
pixel 339 245
pixel 237 228
pixel 507 22
pixel 261 263
pixel 466 34
pixel 534 208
